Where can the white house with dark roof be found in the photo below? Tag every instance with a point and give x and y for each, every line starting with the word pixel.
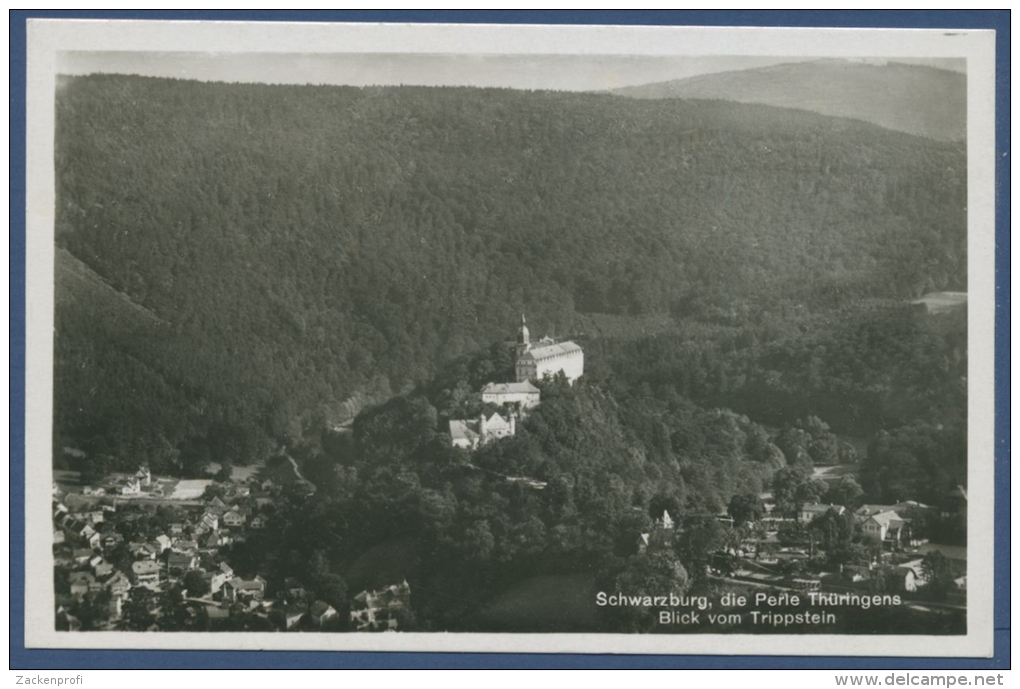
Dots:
pixel 525 395
pixel 534 361
pixel 812 510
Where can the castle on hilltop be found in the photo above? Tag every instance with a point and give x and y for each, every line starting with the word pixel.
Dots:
pixel 534 361
pixel 531 362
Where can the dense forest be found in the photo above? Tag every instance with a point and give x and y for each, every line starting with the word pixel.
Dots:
pixel 240 264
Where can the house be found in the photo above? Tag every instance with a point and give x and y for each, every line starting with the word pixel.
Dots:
pixel 209 522
pixel 81 556
pixel 112 540
pixel 547 357
pixel 234 518
pixel 812 510
pixel 523 396
pixel 117 584
pixel 176 529
pixel 146 572
pixel 129 487
pixel 179 563
pixel 258 522
pixel 910 575
pixel 142 551
pixel 94 516
pixel 885 526
pixel 100 567
pixel 163 542
pixel 382 609
pixel 116 607
pixel 82 583
pixel 469 434
pixel 292 615
pixel 322 613
pixel 238 590
pixel 143 476
pixel 219 576
pixel 82 531
pixel 58 536
pixel 464 434
pixel 185 546
pixel 666 521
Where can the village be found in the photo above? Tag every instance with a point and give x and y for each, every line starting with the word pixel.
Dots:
pixel 129 551
pixel 782 553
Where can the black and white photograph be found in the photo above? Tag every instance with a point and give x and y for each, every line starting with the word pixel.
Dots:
pixel 609 339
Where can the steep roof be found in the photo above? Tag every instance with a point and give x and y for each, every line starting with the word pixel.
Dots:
pixel 461 430
pixel 871 510
pixel 551 350
pixel 320 608
pixel 509 388
pixel 496 418
pixel 888 519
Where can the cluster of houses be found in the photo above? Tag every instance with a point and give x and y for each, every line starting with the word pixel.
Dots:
pixel 97 562
pixel 762 560
pixel 92 553
pixel 381 610
pixel 532 361
pixel 888 524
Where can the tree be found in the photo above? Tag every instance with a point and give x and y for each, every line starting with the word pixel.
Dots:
pixel 847 493
pixel 695 541
pixel 835 534
pixel 196 584
pixel 792 487
pixel 938 575
pixel 745 507
pixel 226 471
pixel 93 610
pixel 137 611
pixel 656 573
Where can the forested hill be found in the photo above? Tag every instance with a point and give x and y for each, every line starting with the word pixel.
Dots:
pixel 909 98
pixel 297 246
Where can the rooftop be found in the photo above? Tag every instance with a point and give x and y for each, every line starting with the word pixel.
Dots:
pixel 550 350
pixel 507 388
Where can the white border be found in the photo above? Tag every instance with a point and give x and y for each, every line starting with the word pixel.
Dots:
pixel 47 37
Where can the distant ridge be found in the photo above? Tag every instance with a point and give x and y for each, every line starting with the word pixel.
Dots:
pixel 916 99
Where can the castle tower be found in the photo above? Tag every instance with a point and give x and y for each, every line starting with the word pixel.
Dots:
pixel 523 338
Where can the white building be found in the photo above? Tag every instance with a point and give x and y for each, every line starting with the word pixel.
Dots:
pixel 534 361
pixel 469 434
pixel 525 395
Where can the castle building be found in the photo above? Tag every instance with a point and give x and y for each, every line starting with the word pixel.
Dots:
pixel 524 395
pixel 534 361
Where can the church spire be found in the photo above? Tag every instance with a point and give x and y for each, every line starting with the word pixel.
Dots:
pixel 523 336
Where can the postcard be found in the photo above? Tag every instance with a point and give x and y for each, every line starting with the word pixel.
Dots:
pixel 587 339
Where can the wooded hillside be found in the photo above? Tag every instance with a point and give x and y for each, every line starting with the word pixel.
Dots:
pixel 241 261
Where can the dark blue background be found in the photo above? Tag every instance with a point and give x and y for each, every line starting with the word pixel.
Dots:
pixel 20 658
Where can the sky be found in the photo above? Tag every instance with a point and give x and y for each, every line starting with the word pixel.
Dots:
pixel 552 72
